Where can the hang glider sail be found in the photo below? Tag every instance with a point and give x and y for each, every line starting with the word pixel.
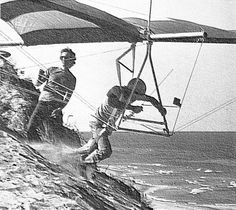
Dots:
pixel 9 40
pixel 57 21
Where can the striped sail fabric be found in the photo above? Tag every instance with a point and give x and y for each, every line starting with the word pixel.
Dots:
pixel 59 21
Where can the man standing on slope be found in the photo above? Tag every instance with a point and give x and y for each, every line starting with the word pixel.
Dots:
pixel 59 84
pixel 98 147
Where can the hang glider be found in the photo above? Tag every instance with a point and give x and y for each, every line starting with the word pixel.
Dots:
pixel 44 22
pixel 57 21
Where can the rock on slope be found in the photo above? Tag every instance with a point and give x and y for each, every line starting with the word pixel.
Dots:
pixel 30 181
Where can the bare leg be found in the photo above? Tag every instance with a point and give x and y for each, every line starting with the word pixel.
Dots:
pixel 104 151
pixel 92 143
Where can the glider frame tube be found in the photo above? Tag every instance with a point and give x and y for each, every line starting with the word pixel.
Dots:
pixel 201 34
pixel 148 55
pixel 145 132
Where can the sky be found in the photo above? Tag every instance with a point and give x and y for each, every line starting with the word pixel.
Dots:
pixel 212 84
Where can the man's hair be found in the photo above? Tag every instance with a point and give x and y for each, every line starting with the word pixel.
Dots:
pixel 68 50
pixel 140 87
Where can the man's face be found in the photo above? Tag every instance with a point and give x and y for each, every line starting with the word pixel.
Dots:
pixel 68 59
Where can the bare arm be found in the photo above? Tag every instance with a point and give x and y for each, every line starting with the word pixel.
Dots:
pixel 153 101
pixel 42 77
pixel 114 96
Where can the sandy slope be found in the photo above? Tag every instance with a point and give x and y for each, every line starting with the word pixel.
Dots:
pixel 29 181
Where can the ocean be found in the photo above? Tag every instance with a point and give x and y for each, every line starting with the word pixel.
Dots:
pixel 190 168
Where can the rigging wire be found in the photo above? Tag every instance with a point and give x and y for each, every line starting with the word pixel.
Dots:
pixel 201 117
pixel 146 125
pixel 83 56
pixel 162 81
pixel 185 92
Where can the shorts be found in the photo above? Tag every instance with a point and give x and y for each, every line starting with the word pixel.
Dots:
pixel 99 129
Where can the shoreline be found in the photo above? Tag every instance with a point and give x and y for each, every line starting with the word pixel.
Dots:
pixel 164 204
pixel 156 203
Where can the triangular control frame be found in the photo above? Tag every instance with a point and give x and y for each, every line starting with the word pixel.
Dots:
pixel 149 41
pixel 118 64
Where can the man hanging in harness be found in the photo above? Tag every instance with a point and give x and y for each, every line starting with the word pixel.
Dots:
pixel 59 86
pixel 98 147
